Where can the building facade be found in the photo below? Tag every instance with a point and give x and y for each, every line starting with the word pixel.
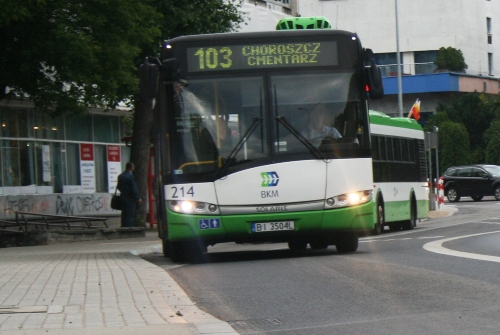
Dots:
pixel 472 26
pixel 66 165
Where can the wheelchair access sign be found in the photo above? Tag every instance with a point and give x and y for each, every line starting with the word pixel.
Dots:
pixel 213 223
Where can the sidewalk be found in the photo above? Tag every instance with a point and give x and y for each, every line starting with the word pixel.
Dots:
pixel 444 211
pixel 95 287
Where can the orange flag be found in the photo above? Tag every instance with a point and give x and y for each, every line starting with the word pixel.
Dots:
pixel 415 110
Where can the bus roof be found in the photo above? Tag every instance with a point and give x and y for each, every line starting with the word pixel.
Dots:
pixel 237 37
pixel 385 120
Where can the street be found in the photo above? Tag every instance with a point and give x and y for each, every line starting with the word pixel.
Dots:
pixel 440 278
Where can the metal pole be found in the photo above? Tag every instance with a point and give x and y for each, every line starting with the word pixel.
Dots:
pixel 431 184
pixel 400 84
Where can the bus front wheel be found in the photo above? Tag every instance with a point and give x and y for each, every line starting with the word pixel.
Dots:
pixel 347 243
pixel 186 251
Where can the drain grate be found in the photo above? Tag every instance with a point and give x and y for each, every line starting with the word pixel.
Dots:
pixel 242 324
pixel 22 309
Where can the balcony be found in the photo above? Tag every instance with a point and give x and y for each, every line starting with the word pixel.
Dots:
pixel 391 70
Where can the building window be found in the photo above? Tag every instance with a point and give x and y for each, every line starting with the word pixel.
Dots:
pixel 488 30
pixel 424 61
pixel 101 168
pixel 79 128
pixel 490 63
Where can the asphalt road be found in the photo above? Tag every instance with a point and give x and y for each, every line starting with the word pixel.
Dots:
pixel 441 278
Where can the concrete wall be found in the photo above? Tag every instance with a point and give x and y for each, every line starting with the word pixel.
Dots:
pixel 423 25
pixel 96 204
pixel 259 18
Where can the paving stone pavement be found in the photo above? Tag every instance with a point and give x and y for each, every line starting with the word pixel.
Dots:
pixel 95 287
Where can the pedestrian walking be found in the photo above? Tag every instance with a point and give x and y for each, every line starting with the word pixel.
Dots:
pixel 129 195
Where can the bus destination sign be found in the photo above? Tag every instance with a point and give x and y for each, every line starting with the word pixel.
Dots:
pixel 258 56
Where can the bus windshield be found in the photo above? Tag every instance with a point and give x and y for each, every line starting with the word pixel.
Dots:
pixel 226 121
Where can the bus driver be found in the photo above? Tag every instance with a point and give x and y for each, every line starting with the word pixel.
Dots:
pixel 320 126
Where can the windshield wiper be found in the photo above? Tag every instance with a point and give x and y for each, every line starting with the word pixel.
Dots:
pixel 281 119
pixel 223 169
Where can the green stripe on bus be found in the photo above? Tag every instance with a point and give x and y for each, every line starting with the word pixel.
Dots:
pixel 400 122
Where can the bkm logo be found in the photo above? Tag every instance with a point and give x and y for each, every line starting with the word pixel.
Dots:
pixel 269 179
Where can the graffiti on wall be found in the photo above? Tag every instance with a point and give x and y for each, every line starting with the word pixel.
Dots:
pixel 57 204
pixel 81 204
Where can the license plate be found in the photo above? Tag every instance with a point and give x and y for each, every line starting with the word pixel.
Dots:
pixel 261 227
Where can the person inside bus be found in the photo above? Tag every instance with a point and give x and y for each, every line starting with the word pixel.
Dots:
pixel 320 126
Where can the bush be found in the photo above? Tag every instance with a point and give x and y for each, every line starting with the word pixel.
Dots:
pixel 450 59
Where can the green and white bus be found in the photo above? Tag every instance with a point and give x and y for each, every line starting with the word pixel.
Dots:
pixel 235 155
pixel 401 193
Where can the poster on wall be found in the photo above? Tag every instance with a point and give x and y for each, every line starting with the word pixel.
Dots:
pixel 46 163
pixel 114 166
pixel 87 168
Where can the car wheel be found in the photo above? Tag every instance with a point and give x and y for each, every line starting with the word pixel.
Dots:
pixel 453 195
pixel 379 225
pixel 497 192
pixel 477 197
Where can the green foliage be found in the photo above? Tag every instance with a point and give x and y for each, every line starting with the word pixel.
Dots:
pixel 453 144
pixel 492 138
pixel 436 120
pixel 71 55
pixel 450 59
pixel 475 112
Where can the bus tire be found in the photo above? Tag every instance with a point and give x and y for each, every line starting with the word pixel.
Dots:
pixel 379 225
pixel 412 222
pixel 165 247
pixel 394 226
pixel 297 245
pixel 318 244
pixel 178 251
pixel 347 243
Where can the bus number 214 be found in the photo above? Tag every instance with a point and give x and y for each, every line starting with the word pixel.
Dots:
pixel 179 192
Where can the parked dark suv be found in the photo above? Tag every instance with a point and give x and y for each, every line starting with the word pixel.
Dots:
pixel 475 181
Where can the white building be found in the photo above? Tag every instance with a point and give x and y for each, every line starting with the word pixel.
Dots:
pixel 264 15
pixel 472 26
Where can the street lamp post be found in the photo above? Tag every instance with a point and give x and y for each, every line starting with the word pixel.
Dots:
pixel 400 84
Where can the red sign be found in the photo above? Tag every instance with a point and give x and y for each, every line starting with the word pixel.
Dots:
pixel 114 153
pixel 86 152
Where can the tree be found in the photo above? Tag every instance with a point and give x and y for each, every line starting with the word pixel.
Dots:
pixel 450 59
pixel 453 144
pixel 181 18
pixel 476 112
pixel 68 56
pixel 492 138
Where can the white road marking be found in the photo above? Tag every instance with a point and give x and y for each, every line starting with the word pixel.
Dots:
pixel 429 237
pixel 437 247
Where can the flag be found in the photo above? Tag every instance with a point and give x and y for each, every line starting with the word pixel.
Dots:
pixel 415 110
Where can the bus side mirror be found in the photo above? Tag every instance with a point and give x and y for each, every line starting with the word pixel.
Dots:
pixel 171 69
pixel 375 84
pixel 148 80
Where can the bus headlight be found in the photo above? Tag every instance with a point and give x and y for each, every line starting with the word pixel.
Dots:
pixel 192 207
pixel 349 199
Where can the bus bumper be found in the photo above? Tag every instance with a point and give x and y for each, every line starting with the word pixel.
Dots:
pixel 238 228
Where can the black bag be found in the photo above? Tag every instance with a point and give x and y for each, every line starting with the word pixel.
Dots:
pixel 116 202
